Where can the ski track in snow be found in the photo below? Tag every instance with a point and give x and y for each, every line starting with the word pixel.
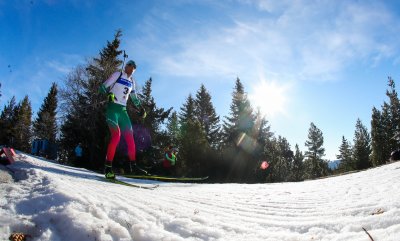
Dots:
pixel 54 202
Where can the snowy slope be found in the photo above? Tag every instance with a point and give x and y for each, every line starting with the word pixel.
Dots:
pixel 54 202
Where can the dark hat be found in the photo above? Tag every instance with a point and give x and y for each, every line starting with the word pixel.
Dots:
pixel 131 63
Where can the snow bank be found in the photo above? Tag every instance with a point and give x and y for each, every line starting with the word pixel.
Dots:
pixel 53 202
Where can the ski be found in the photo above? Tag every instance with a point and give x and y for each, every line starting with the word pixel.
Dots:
pixel 116 181
pixel 171 179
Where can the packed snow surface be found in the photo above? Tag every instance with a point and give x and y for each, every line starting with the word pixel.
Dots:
pixel 49 201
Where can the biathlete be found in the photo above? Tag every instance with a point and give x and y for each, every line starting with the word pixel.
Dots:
pixel 170 160
pixel 118 87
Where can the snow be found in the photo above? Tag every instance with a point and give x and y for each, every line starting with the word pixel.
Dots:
pixel 53 202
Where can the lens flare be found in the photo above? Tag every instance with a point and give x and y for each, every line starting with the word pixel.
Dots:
pixel 264 165
pixel 270 97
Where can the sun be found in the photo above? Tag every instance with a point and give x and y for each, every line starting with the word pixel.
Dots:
pixel 270 98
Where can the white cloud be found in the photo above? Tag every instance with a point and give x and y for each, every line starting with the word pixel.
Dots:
pixel 65 63
pixel 308 41
pixel 270 5
pixel 58 66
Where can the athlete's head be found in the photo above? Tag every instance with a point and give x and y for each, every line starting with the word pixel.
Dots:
pixel 130 67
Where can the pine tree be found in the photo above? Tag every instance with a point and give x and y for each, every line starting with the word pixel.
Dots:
pixel 281 162
pixel 206 115
pixel 173 128
pixel 241 120
pixel 99 71
pixel 263 137
pixel 188 110
pixel 315 166
pixel 394 105
pixel 103 67
pixel 262 134
pixel 391 116
pixel 45 125
pixel 193 142
pixel 155 116
pixel 385 127
pixel 7 121
pixel 345 156
pixel 380 141
pixel 73 106
pixel 362 146
pixel 238 143
pixel 22 125
pixel 84 111
pixel 297 166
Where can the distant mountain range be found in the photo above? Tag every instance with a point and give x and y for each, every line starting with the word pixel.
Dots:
pixel 333 164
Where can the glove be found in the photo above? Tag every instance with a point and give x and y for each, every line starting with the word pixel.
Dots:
pixel 111 97
pixel 135 100
pixel 142 113
pixel 103 89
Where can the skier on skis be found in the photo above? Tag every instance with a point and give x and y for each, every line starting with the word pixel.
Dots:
pixel 118 87
pixel 169 160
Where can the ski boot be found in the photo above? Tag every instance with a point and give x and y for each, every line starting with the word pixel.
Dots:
pixel 128 168
pixel 109 172
pixel 132 169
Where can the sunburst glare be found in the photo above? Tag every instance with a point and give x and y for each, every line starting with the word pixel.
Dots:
pixel 270 97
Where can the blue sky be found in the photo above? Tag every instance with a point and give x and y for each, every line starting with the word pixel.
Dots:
pixel 325 62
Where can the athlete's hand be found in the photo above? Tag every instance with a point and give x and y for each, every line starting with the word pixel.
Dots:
pixel 102 89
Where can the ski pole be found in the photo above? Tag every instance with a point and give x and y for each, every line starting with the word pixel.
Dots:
pixel 123 63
